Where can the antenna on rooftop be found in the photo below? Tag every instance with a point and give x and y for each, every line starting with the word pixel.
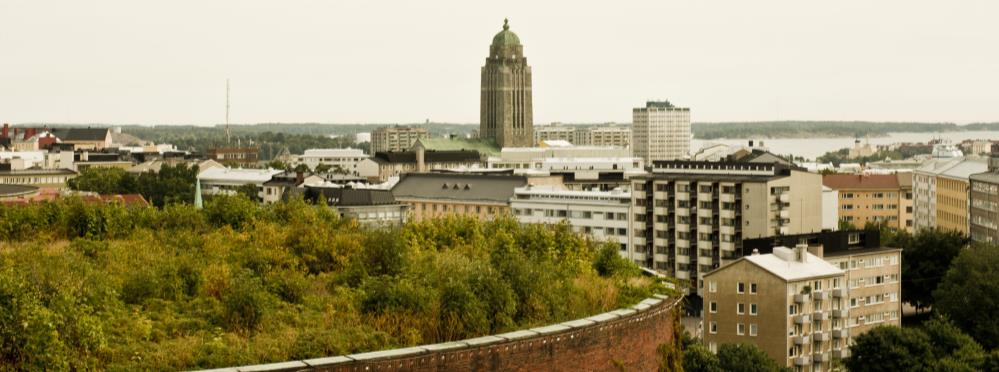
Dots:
pixel 227 133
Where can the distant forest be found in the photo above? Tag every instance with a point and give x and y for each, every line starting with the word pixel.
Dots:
pixel 809 129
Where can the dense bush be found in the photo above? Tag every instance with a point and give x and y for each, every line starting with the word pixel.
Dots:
pixel 110 287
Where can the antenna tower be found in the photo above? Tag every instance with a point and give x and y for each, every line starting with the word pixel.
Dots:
pixel 227 133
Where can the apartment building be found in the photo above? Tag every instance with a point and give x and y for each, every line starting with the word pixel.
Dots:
pixel 660 131
pixel 396 138
pixel 940 192
pixel 391 164
pixel 348 161
pixel 873 274
pixel 609 136
pixel 369 207
pixel 690 217
pixel 789 303
pixel 555 132
pixel 226 181
pixel 876 198
pixel 601 215
pixel 984 195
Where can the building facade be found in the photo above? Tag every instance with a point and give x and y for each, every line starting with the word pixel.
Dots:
pixel 609 136
pixel 348 161
pixel 940 192
pixel 601 215
pixel 691 217
pixel 876 198
pixel 506 108
pixel 789 303
pixel 396 138
pixel 984 197
pixel 660 131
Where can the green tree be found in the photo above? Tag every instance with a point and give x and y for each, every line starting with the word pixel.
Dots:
pixel 323 168
pixel 925 261
pixel 249 191
pixel 697 358
pixel 890 348
pixel 969 293
pixel 102 181
pixel 745 358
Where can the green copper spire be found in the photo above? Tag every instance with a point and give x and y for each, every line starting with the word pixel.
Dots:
pixel 506 37
pixel 198 203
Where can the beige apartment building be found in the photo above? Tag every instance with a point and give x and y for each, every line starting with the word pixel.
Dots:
pixel 941 188
pixel 431 195
pixel 868 295
pixel 660 131
pixel 789 303
pixel 609 136
pixel 876 198
pixel 396 138
pixel 690 217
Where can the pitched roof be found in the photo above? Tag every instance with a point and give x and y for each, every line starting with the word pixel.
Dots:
pixel 345 197
pixel 81 134
pixel 453 186
pixel 861 181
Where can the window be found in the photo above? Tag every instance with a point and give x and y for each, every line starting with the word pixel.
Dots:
pixel 752 288
pixel 752 309
pixel 740 308
pixel 713 307
pixel 740 329
pixel 741 288
pixel 713 328
pixel 792 309
pixel 712 287
pixel 753 329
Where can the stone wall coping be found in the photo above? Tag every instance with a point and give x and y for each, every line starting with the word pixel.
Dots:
pixel 578 323
pixel 518 334
pixel 327 361
pixel 623 312
pixel 551 329
pixel 281 366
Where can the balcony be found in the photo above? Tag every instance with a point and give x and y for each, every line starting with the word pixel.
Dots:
pixel 819 315
pixel 840 314
pixel 784 230
pixel 802 319
pixel 821 296
pixel 785 213
pixel 727 198
pixel 784 198
pixel 801 298
pixel 841 353
pixel 839 292
pixel 821 336
pixel 820 357
pixel 802 361
pixel 800 340
pixel 841 333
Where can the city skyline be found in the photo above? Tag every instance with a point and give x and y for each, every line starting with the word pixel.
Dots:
pixel 123 63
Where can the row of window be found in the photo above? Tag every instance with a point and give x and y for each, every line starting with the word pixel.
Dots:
pixel 740 287
pixel 740 328
pixel 740 308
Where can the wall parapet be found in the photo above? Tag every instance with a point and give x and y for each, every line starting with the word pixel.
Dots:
pixel 624 338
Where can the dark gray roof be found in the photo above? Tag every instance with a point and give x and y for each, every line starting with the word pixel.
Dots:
pixel 431 156
pixel 35 172
pixel 991 177
pixel 463 187
pixel 16 190
pixel 345 197
pixel 81 134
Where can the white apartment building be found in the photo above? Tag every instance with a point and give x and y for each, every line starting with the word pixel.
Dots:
pixel 609 136
pixel 554 132
pixel 534 157
pixel 216 181
pixel 603 215
pixel 349 161
pixel 396 138
pixel 660 131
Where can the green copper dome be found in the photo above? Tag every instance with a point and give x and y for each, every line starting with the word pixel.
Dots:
pixel 506 37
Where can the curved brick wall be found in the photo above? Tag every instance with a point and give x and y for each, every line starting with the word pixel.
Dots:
pixel 624 339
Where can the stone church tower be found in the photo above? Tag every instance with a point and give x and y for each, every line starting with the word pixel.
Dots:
pixel 505 107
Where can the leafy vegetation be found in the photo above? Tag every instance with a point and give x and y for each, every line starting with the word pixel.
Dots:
pixel 969 293
pixel 926 258
pixel 172 184
pixel 88 287
pixel 813 129
pixel 937 345
pixel 902 152
pixel 730 358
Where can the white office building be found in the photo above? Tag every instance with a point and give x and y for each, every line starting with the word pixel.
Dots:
pixel 603 215
pixel 347 161
pixel 660 131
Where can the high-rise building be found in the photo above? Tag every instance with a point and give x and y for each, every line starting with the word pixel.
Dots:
pixel 397 138
pixel 690 217
pixel 660 131
pixel 506 111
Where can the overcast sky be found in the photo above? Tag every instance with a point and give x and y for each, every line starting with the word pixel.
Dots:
pixel 341 61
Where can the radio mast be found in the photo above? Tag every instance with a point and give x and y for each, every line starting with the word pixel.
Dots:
pixel 227 133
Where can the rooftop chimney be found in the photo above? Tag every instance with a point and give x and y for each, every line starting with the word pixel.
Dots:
pixel 299 178
pixel 994 158
pixel 756 252
pixel 6 128
pixel 801 252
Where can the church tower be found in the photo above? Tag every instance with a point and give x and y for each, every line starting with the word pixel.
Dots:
pixel 506 114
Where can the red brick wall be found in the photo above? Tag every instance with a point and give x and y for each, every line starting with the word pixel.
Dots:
pixel 627 343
